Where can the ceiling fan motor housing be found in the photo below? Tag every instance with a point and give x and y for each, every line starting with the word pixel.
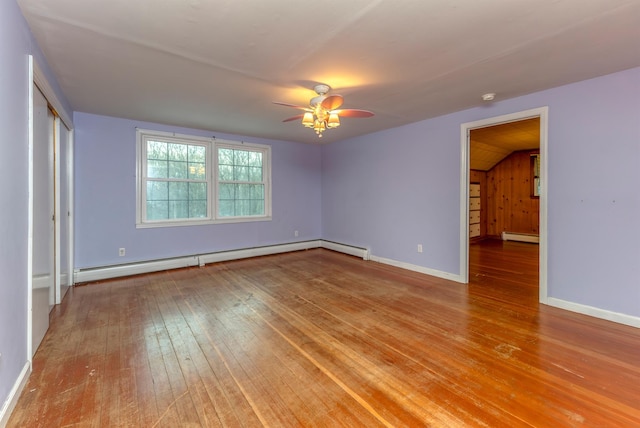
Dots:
pixel 321 90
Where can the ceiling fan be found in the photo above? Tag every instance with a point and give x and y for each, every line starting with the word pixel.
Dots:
pixel 324 111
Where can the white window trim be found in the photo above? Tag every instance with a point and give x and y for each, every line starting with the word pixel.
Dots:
pixel 212 179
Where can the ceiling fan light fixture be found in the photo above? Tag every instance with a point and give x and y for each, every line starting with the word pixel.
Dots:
pixel 324 111
pixel 307 120
pixel 334 121
pixel 319 126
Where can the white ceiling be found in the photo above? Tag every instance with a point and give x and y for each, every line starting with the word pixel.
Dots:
pixel 219 64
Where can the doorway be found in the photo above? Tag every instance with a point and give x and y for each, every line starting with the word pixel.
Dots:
pixel 532 162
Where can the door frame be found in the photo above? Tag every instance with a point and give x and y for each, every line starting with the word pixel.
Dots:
pixel 37 77
pixel 465 131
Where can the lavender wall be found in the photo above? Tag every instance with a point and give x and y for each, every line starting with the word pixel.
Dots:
pixel 392 190
pixel 16 43
pixel 105 184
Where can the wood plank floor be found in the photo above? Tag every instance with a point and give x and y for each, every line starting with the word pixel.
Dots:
pixel 317 338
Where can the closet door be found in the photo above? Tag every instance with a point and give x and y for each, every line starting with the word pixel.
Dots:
pixel 43 250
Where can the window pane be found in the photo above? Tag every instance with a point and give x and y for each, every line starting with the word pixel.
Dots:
pixel 240 173
pixel 255 174
pixel 157 191
pixel 257 207
pixel 156 150
pixel 178 191
pixel 178 170
pixel 197 170
pixel 177 152
pixel 225 173
pixel 197 209
pixel 157 210
pixel 241 200
pixel 258 192
pixel 241 208
pixel 226 208
pixel 226 191
pixel 244 191
pixel 176 200
pixel 255 159
pixel 157 169
pixel 225 157
pixel 198 192
pixel 197 154
pixel 241 157
pixel 178 209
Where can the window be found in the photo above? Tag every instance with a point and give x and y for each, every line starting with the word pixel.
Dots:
pixel 535 175
pixel 240 182
pixel 186 180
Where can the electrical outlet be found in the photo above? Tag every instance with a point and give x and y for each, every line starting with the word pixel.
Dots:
pixel 121 252
pixel 295 233
pixel 419 248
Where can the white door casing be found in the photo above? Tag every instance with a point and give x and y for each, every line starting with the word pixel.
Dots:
pixel 465 129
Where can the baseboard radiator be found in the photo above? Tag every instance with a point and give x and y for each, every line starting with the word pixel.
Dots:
pixel 100 273
pixel 520 237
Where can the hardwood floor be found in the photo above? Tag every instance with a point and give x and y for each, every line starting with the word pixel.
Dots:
pixel 317 338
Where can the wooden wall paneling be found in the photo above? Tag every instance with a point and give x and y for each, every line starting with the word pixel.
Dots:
pixel 510 205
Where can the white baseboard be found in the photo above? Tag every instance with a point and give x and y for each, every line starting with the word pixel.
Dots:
pixel 594 312
pixel 346 249
pixel 64 280
pixel 256 252
pixel 520 237
pixel 107 272
pixel 14 394
pixel 41 281
pixel 416 268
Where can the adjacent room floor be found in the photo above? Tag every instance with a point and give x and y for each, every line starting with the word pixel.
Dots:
pixel 317 338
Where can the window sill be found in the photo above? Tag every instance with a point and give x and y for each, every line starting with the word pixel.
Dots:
pixel 152 225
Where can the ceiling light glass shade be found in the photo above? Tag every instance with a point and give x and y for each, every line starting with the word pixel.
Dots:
pixel 334 121
pixel 307 120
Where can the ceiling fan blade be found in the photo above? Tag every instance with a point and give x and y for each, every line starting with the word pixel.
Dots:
pixel 332 102
pixel 291 105
pixel 296 117
pixel 350 112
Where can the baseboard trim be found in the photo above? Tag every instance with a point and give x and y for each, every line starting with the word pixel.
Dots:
pixel 41 281
pixel 14 394
pixel 256 252
pixel 594 312
pixel 520 237
pixel 108 272
pixel 346 249
pixel 416 268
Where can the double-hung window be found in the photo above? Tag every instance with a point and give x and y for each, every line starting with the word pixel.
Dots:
pixel 184 180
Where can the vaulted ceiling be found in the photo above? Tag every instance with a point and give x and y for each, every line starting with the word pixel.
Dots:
pixel 218 65
pixel 489 145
